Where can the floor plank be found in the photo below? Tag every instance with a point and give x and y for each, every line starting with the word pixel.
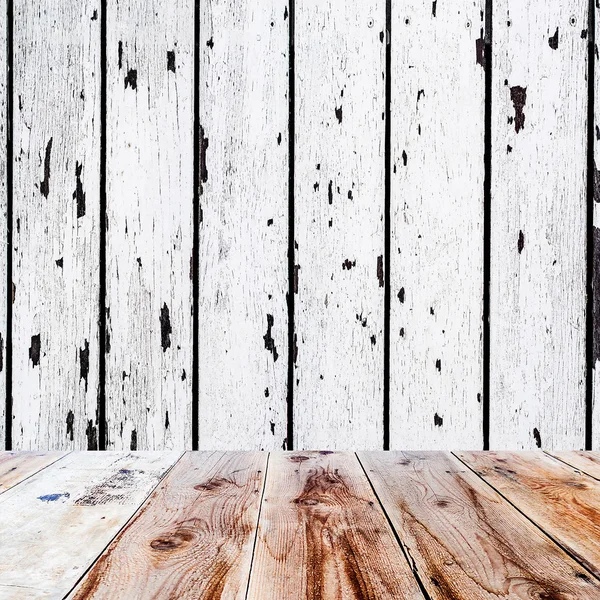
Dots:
pixel 588 462
pixel 17 466
pixel 563 502
pixel 322 534
pixel 56 523
pixel 465 541
pixel 194 537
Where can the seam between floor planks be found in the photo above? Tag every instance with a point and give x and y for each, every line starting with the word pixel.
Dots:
pixel 134 514
pixel 548 535
pixel 40 469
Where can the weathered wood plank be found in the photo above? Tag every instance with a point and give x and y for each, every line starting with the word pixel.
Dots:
pixel 339 224
pixel 538 225
pixel 243 190
pixel 437 137
pixel 594 259
pixel 322 534
pixel 560 500
pixel 56 224
pixel 588 462
pixel 18 466
pixel 464 540
pixel 5 225
pixel 193 539
pixel 150 67
pixel 56 523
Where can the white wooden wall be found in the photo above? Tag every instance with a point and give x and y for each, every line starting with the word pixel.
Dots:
pixel 313 224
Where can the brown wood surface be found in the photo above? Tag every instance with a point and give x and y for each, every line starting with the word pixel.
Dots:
pixel 18 466
pixel 563 502
pixel 322 534
pixel 192 539
pixel 301 526
pixel 588 462
pixel 464 540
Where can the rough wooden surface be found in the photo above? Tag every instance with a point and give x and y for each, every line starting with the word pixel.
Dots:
pixel 437 129
pixel 4 225
pixel 319 525
pixel 18 466
pixel 149 172
pixel 59 521
pixel 594 258
pixel 302 525
pixel 194 538
pixel 243 187
pixel 588 462
pixel 339 228
pixel 56 147
pixel 564 503
pixel 463 539
pixel 538 225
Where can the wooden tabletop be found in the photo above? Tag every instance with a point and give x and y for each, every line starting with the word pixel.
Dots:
pixel 300 525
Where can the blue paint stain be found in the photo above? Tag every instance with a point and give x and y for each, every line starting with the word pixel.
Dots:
pixel 125 471
pixel 53 497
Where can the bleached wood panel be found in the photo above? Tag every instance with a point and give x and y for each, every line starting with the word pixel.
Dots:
pixel 54 525
pixel 194 539
pixel 18 466
pixel 437 164
pixel 56 224
pixel 149 171
pixel 594 259
pixel 538 225
pixel 3 214
pixel 339 224
pixel 319 524
pixel 243 189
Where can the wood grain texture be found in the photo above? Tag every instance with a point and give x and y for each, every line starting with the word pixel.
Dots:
pixel 339 224
pixel 243 323
pixel 322 534
pixel 437 137
pixel 149 223
pixel 55 524
pixel 564 502
pixel 588 462
pixel 18 466
pixel 594 259
pixel 538 225
pixel 463 539
pixel 193 539
pixel 56 148
pixel 5 225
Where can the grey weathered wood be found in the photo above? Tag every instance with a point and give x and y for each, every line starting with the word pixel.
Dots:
pixel 594 259
pixel 56 223
pixel 339 224
pixel 437 138
pixel 243 191
pixel 54 525
pixel 149 223
pixel 538 225
pixel 4 225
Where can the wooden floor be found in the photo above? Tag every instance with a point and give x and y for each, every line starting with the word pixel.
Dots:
pixel 300 525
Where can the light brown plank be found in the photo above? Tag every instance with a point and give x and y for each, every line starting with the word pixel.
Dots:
pixel 54 525
pixel 17 466
pixel 323 535
pixel 563 502
pixel 194 537
pixel 588 462
pixel 465 541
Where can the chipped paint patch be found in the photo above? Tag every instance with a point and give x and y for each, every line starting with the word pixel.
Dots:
pixel 518 95
pixel 54 497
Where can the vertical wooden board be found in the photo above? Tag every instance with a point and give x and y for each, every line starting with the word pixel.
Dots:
pixel 18 466
pixel 339 224
pixel 464 540
pixel 437 140
pixel 243 187
pixel 3 214
pixel 322 534
pixel 56 147
pixel 150 72
pixel 538 225
pixel 594 259
pixel 563 502
pixel 194 537
pixel 55 524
